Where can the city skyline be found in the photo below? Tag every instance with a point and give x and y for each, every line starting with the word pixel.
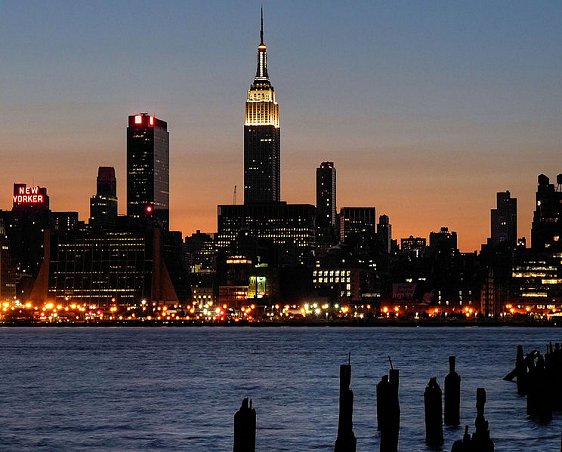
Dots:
pixel 412 150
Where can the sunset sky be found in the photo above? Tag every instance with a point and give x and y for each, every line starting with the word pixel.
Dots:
pixel 427 108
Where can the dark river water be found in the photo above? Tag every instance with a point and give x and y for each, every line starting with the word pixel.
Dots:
pixel 178 388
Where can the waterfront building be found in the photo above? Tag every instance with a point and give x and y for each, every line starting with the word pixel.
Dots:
pixel 261 136
pixel 148 185
pixel 125 266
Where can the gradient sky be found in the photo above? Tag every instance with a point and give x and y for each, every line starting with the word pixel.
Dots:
pixel 427 108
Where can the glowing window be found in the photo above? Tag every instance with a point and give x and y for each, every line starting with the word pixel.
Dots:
pixel 138 119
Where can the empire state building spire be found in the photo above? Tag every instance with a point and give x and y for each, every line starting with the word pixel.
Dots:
pixel 261 72
pixel 261 135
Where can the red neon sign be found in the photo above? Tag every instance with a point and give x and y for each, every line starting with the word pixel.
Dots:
pixel 28 195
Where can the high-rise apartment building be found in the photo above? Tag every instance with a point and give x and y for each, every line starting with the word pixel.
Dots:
pixel 148 173
pixel 261 136
pixel 326 193
pixel 103 205
pixel 503 224
pixel 326 215
pixel 546 232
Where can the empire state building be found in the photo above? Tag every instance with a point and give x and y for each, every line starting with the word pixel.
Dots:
pixel 261 136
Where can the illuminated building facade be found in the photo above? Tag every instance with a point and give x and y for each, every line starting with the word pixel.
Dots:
pixel 341 284
pixel 290 228
pixel 537 279
pixel 122 266
pixel 261 136
pixel 503 220
pixel 148 185
pixel 103 205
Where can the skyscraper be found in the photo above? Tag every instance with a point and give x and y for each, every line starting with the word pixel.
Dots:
pixel 261 136
pixel 326 193
pixel 546 232
pixel 326 215
pixel 103 205
pixel 148 169
pixel 503 220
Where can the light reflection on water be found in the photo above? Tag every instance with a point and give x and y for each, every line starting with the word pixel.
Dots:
pixel 178 388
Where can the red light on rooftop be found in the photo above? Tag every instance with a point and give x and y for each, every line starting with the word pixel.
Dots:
pixel 148 209
pixel 151 120
pixel 138 119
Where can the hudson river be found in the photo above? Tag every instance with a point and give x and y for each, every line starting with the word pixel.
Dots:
pixel 178 388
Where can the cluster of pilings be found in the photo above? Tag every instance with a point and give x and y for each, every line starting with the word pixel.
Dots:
pixel 539 378
pixel 480 440
pixel 388 415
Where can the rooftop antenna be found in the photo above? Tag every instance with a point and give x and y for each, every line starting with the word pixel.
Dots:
pixel 234 196
pixel 261 28
pixel 390 361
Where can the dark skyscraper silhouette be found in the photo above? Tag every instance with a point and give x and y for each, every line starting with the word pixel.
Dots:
pixel 103 205
pixel 546 232
pixel 261 136
pixel 326 193
pixel 326 215
pixel 148 169
pixel 504 220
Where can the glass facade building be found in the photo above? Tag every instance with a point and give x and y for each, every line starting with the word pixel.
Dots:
pixel 148 185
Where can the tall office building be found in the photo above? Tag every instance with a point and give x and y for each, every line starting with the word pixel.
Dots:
pixel 148 169
pixel 103 205
pixel 261 136
pixel 546 232
pixel 503 224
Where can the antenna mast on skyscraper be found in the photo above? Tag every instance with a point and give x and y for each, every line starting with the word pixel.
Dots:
pixel 261 28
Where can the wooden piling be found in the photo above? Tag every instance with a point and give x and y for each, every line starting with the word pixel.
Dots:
pixel 452 386
pixel 346 441
pixel 245 428
pixel 433 414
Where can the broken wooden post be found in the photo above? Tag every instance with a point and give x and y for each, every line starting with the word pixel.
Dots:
pixel 452 395
pixel 245 428
pixel 433 414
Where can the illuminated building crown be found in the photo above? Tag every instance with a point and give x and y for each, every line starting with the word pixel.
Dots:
pixel 261 106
